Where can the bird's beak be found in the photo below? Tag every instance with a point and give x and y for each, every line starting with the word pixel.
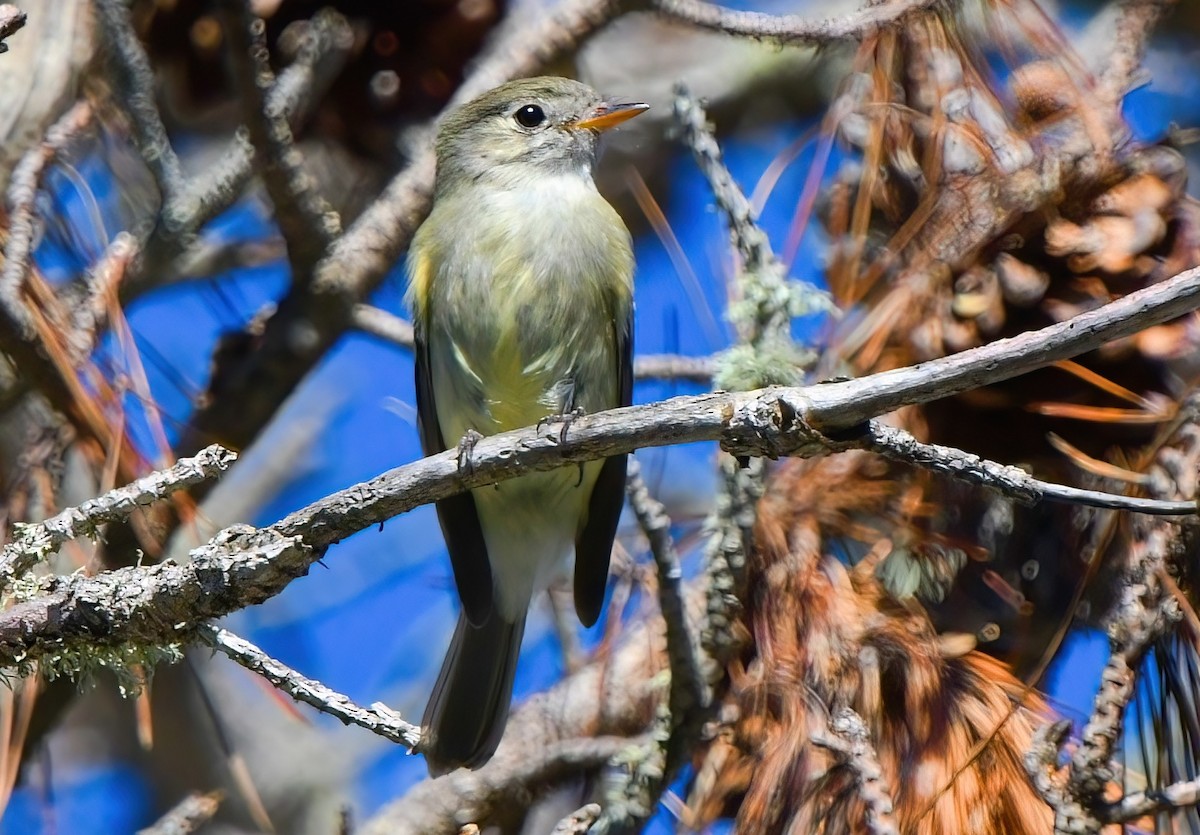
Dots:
pixel 608 115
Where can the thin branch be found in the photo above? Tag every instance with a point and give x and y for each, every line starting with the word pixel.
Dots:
pixel 398 331
pixel 379 718
pixel 32 543
pixel 792 29
pixel 849 739
pixel 674 367
pixel 11 20
pixel 386 326
pixel 579 821
pixel 22 213
pixel 160 604
pixel 899 445
pixel 188 816
pixel 1139 804
pixel 170 250
pixel 306 221
pixel 135 88
pixel 1134 26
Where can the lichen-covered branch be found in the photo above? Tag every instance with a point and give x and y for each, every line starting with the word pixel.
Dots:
pixel 850 741
pixel 161 603
pixel 33 543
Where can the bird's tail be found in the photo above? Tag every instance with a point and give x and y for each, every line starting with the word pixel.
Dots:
pixel 468 709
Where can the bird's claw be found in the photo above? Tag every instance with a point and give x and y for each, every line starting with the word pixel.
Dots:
pixel 567 418
pixel 466 448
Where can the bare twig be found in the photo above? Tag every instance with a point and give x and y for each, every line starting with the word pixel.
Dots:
pixel 791 29
pixel 188 816
pixel 579 821
pixel 11 20
pixel 899 445
pixel 136 90
pixel 849 739
pixel 391 328
pixel 379 718
pixel 674 367
pixel 1137 805
pixel 32 543
pixel 1134 27
pixel 384 325
pixel 22 198
pixel 306 221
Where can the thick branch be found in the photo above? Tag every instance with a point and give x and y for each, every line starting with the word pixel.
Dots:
pixel 770 422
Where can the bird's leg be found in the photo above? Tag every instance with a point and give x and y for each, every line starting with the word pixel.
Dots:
pixel 466 448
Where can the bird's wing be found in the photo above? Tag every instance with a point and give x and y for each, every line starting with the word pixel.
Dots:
pixel 593 546
pixel 457 514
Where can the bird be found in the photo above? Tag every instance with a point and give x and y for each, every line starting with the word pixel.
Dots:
pixel 520 287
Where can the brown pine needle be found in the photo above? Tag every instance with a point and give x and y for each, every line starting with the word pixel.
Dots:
pixel 1095 466
pixel 1104 384
pixel 1099 414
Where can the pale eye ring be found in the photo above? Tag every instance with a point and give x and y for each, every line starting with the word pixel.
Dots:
pixel 530 116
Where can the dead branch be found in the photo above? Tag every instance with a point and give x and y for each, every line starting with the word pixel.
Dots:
pixel 579 821
pixel 132 74
pixel 1134 27
pixel 22 196
pixel 11 20
pixel 192 813
pixel 791 29
pixel 307 222
pixel 32 543
pixel 848 738
pixel 378 719
pixel 160 604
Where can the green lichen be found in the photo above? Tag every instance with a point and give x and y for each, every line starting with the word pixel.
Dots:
pixel 130 664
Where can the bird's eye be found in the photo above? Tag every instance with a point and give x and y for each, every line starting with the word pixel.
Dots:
pixel 530 116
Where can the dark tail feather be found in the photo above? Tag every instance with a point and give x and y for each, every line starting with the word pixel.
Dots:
pixel 468 709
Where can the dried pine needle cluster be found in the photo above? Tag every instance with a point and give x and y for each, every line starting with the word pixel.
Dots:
pixel 981 204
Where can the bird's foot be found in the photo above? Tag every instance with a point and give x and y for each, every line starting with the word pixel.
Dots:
pixel 466 449
pixel 566 419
